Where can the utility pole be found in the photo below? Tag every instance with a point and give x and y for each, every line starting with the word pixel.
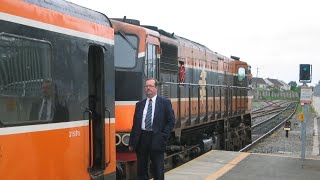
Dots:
pixel 257 78
pixel 303 127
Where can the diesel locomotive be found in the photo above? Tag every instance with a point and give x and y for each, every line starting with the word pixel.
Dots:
pixel 209 92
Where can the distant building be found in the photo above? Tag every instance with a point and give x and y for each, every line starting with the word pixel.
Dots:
pixel 277 84
pixel 285 86
pixel 259 83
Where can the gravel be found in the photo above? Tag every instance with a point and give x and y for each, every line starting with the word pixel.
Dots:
pixel 277 143
pixel 258 104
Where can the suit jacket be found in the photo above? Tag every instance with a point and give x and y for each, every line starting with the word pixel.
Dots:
pixel 60 113
pixel 163 123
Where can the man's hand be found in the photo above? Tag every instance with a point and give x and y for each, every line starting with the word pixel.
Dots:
pixel 130 148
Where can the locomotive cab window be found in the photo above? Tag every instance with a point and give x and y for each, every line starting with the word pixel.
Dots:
pixel 150 66
pixel 24 65
pixel 125 50
pixel 241 74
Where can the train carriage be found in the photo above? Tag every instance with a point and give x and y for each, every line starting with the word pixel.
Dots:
pixel 56 57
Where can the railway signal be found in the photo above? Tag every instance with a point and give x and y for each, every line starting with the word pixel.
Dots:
pixel 305 73
pixel 287 127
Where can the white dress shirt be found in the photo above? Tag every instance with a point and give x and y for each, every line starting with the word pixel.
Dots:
pixel 146 109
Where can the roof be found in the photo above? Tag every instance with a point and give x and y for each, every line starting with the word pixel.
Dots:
pixel 258 81
pixel 74 10
pixel 275 82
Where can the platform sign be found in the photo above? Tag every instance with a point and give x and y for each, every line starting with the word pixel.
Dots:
pixel 306 95
pixel 301 116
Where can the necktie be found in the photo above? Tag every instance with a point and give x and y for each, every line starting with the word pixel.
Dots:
pixel 148 117
pixel 44 110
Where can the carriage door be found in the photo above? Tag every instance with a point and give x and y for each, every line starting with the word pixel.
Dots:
pixel 96 111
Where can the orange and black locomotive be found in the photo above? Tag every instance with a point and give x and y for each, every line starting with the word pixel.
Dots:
pixel 209 92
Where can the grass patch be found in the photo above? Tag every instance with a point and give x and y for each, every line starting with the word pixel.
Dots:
pixel 300 109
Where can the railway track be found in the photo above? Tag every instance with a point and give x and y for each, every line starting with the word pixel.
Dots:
pixel 262 115
pixel 265 128
pixel 269 105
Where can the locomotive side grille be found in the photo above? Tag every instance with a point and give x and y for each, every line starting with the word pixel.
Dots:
pixel 169 58
pixel 164 90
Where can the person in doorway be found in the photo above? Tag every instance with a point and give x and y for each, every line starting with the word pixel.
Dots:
pixel 48 107
pixel 153 122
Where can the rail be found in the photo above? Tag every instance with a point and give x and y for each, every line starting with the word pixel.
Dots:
pixel 249 146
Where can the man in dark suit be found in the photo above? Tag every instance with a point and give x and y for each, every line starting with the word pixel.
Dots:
pixel 48 107
pixel 153 122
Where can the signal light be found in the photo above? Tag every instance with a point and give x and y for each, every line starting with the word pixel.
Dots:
pixel 305 72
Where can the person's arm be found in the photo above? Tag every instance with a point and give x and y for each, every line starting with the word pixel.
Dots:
pixel 170 118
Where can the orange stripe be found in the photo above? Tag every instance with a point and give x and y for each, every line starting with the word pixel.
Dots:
pixel 124 117
pixel 51 154
pixel 228 166
pixel 110 148
pixel 33 12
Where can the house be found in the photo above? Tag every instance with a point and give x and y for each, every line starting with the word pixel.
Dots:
pixel 259 83
pixel 277 84
pixel 285 86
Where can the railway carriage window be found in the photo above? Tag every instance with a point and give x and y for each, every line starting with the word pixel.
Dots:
pixel 24 63
pixel 150 67
pixel 125 50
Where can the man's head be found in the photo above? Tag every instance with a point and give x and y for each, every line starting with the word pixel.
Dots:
pixel 47 89
pixel 151 87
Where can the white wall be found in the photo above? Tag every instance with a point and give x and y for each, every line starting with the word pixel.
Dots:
pixel 316 104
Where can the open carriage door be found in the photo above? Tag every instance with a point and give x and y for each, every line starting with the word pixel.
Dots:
pixel 97 162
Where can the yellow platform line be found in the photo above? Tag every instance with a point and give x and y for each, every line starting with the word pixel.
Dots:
pixel 231 164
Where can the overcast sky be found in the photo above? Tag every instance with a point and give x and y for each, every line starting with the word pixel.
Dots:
pixel 273 36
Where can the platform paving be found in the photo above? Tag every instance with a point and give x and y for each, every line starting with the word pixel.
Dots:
pixel 226 165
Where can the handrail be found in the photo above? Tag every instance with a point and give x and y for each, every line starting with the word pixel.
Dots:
pixel 109 113
pixel 87 110
pixel 211 85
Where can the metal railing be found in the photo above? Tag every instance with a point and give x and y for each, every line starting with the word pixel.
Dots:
pixel 209 95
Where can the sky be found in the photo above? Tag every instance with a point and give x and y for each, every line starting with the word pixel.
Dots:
pixel 273 36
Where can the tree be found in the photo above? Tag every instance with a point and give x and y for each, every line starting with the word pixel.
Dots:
pixel 293 85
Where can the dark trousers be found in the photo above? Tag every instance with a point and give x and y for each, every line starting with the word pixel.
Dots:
pixel 144 153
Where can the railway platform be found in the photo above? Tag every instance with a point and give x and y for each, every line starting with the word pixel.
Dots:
pixel 225 165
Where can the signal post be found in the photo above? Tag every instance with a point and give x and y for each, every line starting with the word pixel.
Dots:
pixel 305 100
